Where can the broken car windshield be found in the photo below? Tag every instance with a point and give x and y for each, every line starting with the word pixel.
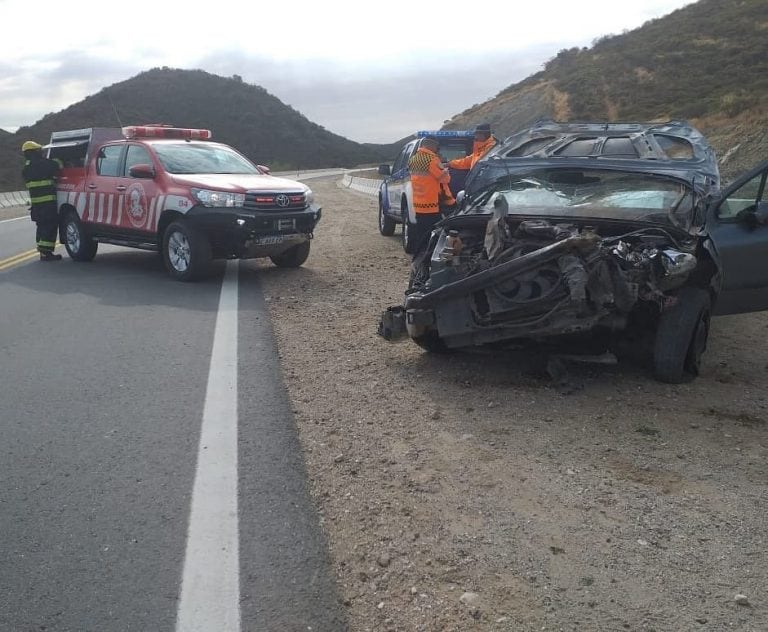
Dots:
pixel 589 193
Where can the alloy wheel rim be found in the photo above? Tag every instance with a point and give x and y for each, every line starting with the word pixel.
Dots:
pixel 179 251
pixel 73 237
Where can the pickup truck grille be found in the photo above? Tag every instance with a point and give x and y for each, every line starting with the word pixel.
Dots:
pixel 267 201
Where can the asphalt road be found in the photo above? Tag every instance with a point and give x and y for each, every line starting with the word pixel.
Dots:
pixel 109 372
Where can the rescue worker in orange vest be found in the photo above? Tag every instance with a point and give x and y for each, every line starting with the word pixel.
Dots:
pixel 429 179
pixel 39 175
pixel 484 141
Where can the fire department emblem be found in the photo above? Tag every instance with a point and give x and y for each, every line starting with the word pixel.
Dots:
pixel 282 200
pixel 136 205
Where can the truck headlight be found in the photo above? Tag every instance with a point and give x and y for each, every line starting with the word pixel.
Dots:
pixel 218 198
pixel 309 197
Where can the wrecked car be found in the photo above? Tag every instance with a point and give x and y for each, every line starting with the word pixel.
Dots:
pixel 593 238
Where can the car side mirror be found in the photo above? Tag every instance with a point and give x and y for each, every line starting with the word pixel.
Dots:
pixel 754 216
pixel 265 169
pixel 385 170
pixel 761 213
pixel 142 171
pixel 460 197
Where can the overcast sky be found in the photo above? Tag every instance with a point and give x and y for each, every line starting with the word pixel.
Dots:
pixel 372 75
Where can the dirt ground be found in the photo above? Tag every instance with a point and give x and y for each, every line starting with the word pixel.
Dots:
pixel 468 492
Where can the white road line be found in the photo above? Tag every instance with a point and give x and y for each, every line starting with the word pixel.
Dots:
pixel 14 219
pixel 210 587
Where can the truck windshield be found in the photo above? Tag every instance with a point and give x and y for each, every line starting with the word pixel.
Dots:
pixel 185 157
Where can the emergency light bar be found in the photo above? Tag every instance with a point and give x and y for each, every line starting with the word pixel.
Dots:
pixel 160 131
pixel 446 133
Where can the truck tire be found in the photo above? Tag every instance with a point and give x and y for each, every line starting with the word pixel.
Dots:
pixel 186 251
pixel 293 257
pixel 681 337
pixel 408 241
pixel 386 224
pixel 79 245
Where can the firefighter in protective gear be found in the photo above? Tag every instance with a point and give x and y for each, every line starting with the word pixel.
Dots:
pixel 39 175
pixel 484 141
pixel 429 179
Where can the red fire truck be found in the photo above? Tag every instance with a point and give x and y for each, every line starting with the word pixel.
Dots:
pixel 175 191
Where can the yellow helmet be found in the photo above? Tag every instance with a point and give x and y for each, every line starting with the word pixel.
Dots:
pixel 30 145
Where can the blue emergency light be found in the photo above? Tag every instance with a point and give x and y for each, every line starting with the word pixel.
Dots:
pixel 446 133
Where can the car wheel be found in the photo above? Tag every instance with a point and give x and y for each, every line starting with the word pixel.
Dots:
pixel 681 337
pixel 386 224
pixel 186 251
pixel 293 257
pixel 432 343
pixel 79 245
pixel 408 241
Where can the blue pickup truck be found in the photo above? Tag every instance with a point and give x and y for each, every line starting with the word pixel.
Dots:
pixel 395 192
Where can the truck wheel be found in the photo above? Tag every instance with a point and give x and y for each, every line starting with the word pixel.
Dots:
pixel 186 251
pixel 293 257
pixel 681 337
pixel 79 245
pixel 408 242
pixel 386 224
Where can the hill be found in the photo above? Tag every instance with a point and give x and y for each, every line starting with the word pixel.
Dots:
pixel 239 114
pixel 706 62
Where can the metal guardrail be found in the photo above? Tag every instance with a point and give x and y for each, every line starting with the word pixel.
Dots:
pixel 365 185
pixel 14 198
pixel 368 186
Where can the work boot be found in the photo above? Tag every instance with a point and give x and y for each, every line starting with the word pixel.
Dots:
pixel 49 256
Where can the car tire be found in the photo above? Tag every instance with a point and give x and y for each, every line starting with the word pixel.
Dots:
pixel 80 246
pixel 408 241
pixel 293 257
pixel 386 224
pixel 681 337
pixel 186 252
pixel 432 343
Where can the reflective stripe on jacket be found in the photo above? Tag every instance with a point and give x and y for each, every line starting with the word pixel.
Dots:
pixel 479 149
pixel 427 176
pixel 39 174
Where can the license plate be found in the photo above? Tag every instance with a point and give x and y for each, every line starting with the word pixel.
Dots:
pixel 269 240
pixel 285 224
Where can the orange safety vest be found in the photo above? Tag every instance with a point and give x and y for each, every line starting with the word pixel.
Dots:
pixel 427 178
pixel 479 149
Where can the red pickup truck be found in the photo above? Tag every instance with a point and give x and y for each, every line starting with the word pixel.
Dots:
pixel 175 191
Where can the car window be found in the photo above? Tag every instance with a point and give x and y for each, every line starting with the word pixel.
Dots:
pixel 136 155
pixel 745 197
pixel 109 160
pixel 402 159
pixel 449 151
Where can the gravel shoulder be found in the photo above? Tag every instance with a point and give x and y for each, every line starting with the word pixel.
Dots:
pixel 468 492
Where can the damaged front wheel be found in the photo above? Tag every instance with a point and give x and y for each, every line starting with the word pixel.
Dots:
pixel 431 342
pixel 681 337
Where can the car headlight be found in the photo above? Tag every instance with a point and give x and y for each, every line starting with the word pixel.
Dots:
pixel 309 197
pixel 218 198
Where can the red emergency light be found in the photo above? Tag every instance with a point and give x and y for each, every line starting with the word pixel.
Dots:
pixel 163 131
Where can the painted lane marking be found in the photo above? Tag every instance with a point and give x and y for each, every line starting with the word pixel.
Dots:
pixel 8 263
pixel 14 219
pixel 210 586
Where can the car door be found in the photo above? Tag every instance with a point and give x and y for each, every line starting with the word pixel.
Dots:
pixel 141 200
pixel 738 232
pixel 102 186
pixel 399 178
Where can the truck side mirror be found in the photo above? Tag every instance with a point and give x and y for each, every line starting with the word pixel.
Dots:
pixel 142 171
pixel 384 170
